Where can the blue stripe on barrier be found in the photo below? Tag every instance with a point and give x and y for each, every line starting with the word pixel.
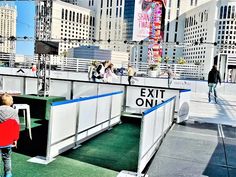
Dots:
pixel 84 98
pixel 158 106
pixel 186 90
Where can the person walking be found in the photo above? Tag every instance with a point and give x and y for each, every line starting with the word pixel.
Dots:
pixel 131 73
pixel 213 79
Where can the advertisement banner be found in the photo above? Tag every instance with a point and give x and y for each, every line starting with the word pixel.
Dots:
pixel 148 25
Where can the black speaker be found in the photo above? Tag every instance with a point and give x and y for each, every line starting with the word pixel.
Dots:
pixel 46 47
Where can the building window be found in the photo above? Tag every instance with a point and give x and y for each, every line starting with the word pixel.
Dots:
pixel 225 12
pixel 175 39
pixel 176 26
pixel 229 12
pixel 70 16
pixel 169 14
pixel 233 11
pixel 177 14
pixel 169 3
pixel 221 12
pixel 167 37
pixel 101 3
pixel 66 14
pixel 191 2
pixel 80 18
pixel 73 17
pixel 117 9
pixel 178 3
pixel 168 26
pixel 62 14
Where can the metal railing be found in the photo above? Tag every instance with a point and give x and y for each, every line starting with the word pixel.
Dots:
pixel 181 71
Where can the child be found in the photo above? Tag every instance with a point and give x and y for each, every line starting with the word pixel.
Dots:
pixel 8 117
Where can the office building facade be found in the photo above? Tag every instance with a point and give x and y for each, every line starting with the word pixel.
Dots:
pixel 71 25
pixel 8 16
pixel 199 31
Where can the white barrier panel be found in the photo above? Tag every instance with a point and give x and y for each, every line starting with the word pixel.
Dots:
pixel 107 88
pixel 31 86
pixel 84 89
pixel 62 88
pixel 87 117
pixel 13 84
pixel 184 105
pixel 103 109
pixel 80 119
pixel 117 100
pixel 196 86
pixel 155 123
pixel 61 128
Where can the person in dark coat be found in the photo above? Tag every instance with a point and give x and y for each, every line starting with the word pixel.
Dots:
pixel 213 79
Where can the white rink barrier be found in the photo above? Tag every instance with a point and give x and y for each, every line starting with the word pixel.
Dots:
pixel 136 96
pixel 75 121
pixel 155 123
pixel 184 105
pixel 139 98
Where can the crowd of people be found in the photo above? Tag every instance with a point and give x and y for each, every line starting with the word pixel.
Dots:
pixel 103 71
pixel 106 72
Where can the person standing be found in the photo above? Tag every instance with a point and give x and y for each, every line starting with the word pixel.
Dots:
pixel 213 79
pixel 109 73
pixel 170 74
pixel 100 71
pixel 9 122
pixel 131 73
pixel 91 70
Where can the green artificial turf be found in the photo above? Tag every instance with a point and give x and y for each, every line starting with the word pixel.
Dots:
pixel 102 156
pixel 39 106
pixel 116 149
pixel 61 167
pixel 38 144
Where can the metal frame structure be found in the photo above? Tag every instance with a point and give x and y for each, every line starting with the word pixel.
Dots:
pixel 43 32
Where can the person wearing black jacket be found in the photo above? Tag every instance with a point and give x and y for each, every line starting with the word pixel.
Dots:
pixel 213 79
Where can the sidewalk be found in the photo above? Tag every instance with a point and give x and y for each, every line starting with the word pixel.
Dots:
pixel 224 112
pixel 196 149
pixel 205 146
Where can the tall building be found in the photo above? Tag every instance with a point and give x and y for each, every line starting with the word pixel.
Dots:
pixel 109 22
pixel 199 31
pixel 71 24
pixel 124 23
pixel 173 33
pixel 118 25
pixel 8 16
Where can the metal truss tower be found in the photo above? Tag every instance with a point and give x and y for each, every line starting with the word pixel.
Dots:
pixel 43 33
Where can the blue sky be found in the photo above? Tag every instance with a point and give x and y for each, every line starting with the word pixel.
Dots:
pixel 24 25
